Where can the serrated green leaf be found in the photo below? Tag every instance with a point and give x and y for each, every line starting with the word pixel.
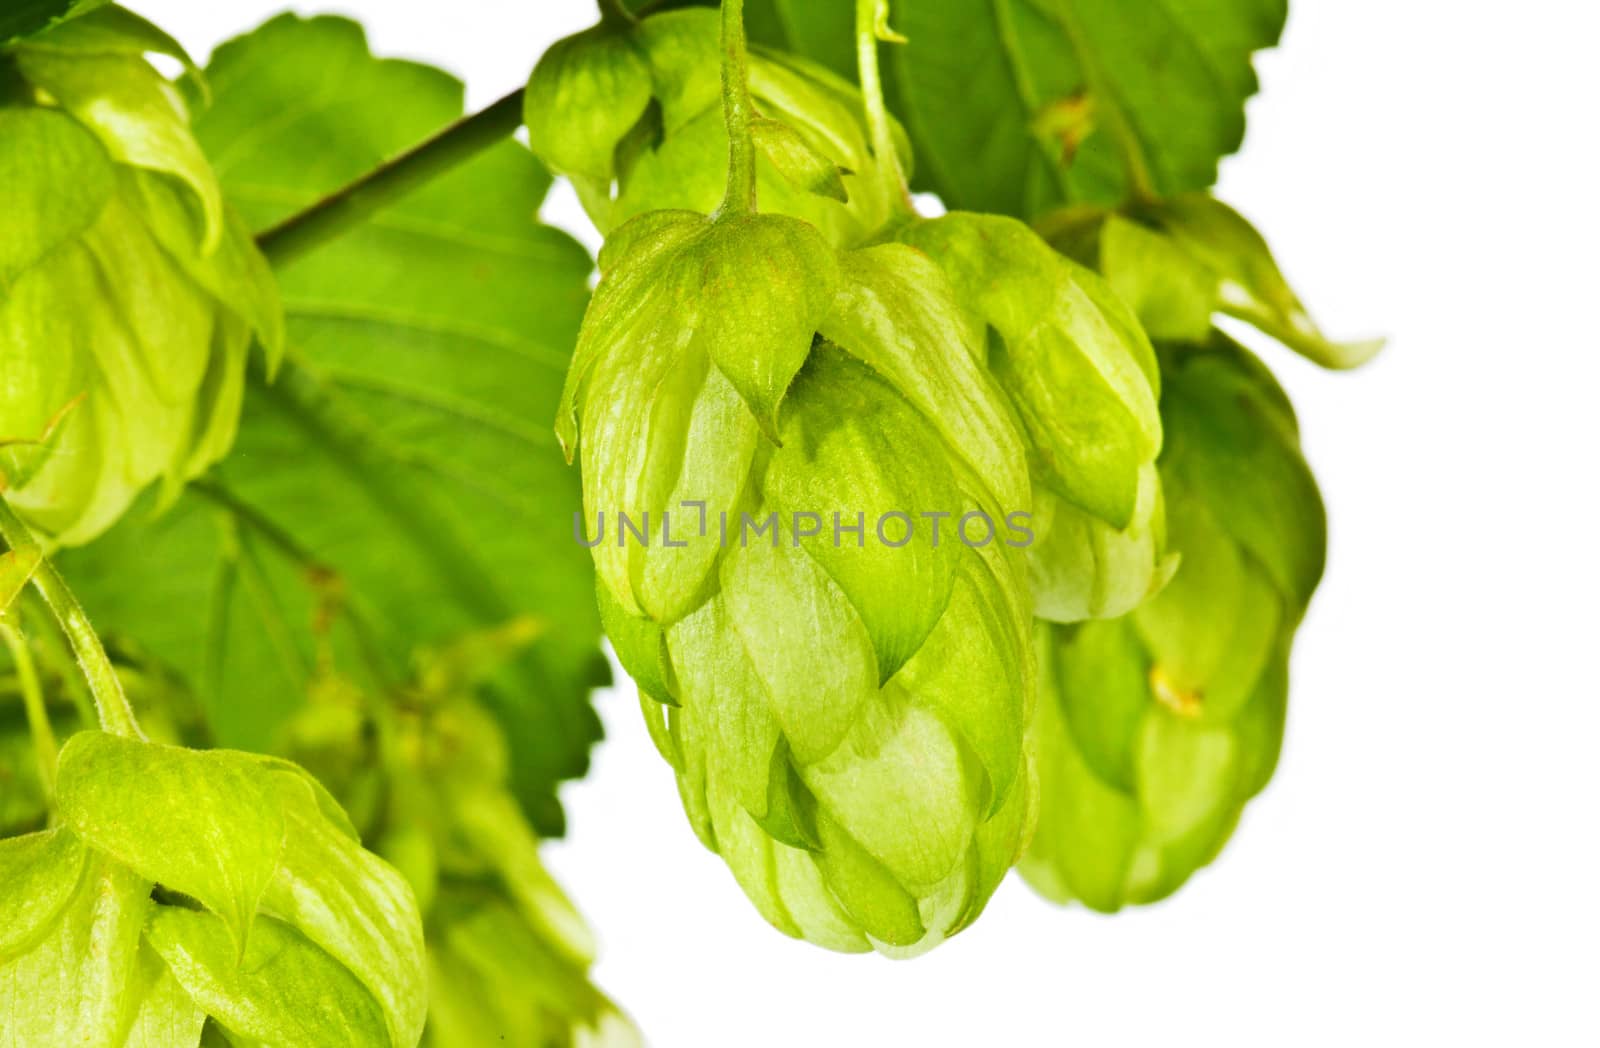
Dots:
pixel 1016 106
pixel 207 824
pixel 285 991
pixel 398 487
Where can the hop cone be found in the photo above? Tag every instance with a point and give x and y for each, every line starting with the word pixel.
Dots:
pixel 1154 730
pixel 129 296
pixel 1082 379
pixel 844 709
pixel 508 953
pixel 639 106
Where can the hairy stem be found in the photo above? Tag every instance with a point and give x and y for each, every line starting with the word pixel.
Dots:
pixel 44 737
pixel 349 206
pixel 738 110
pixel 111 703
pixel 872 16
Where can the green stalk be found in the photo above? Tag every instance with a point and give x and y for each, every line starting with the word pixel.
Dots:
pixel 44 737
pixel 111 703
pixel 738 110
pixel 872 21
pixel 615 12
pixel 350 206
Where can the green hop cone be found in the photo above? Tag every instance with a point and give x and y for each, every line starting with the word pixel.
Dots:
pixel 1182 261
pixel 1154 730
pixel 830 614
pixel 1081 377
pixel 129 294
pixel 250 906
pixel 631 114
pixel 508 953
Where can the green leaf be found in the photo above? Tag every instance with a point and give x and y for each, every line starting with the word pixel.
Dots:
pixel 284 992
pixel 1016 106
pixel 207 824
pixel 398 486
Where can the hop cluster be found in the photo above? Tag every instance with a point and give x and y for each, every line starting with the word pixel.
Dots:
pixel 852 721
pixel 650 135
pixel 129 295
pixel 846 716
pixel 1155 729
pixel 508 955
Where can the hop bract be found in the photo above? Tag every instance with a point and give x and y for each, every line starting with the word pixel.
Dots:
pixel 508 953
pixel 798 481
pixel 1155 729
pixel 1081 376
pixel 637 109
pixel 129 295
pixel 251 906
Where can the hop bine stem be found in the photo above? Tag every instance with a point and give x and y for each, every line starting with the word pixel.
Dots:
pixel 738 110
pixel 615 12
pixel 111 703
pixel 872 25
pixel 349 206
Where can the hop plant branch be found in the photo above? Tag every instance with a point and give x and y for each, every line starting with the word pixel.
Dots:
pixel 738 110
pixel 347 207
pixel 111 702
pixel 872 25
pixel 616 12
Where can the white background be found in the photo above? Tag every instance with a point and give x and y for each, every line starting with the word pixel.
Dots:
pixel 1424 868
